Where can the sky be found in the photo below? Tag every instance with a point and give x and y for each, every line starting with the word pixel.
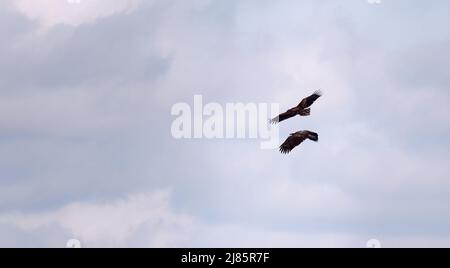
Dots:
pixel 86 151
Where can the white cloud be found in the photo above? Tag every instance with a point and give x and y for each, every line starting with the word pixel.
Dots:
pixel 52 12
pixel 362 177
pixel 148 220
pixel 111 223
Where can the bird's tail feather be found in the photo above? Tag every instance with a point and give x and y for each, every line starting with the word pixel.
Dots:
pixel 313 136
pixel 305 112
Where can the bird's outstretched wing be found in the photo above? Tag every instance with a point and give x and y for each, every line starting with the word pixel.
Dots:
pixel 288 114
pixel 308 101
pixel 291 142
pixel 296 139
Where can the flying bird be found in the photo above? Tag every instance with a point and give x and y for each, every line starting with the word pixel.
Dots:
pixel 296 138
pixel 301 109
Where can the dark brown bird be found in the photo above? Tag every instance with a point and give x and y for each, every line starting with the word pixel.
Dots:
pixel 296 138
pixel 301 109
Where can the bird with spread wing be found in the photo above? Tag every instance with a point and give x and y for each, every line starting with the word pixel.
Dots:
pixel 296 138
pixel 301 109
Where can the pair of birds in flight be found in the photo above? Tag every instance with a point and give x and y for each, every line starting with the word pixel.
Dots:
pixel 302 109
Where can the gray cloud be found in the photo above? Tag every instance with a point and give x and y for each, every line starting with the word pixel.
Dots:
pixel 85 118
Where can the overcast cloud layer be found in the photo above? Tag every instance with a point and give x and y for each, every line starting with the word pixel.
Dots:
pixel 85 145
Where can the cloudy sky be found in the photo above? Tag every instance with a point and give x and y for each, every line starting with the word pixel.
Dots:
pixel 86 151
